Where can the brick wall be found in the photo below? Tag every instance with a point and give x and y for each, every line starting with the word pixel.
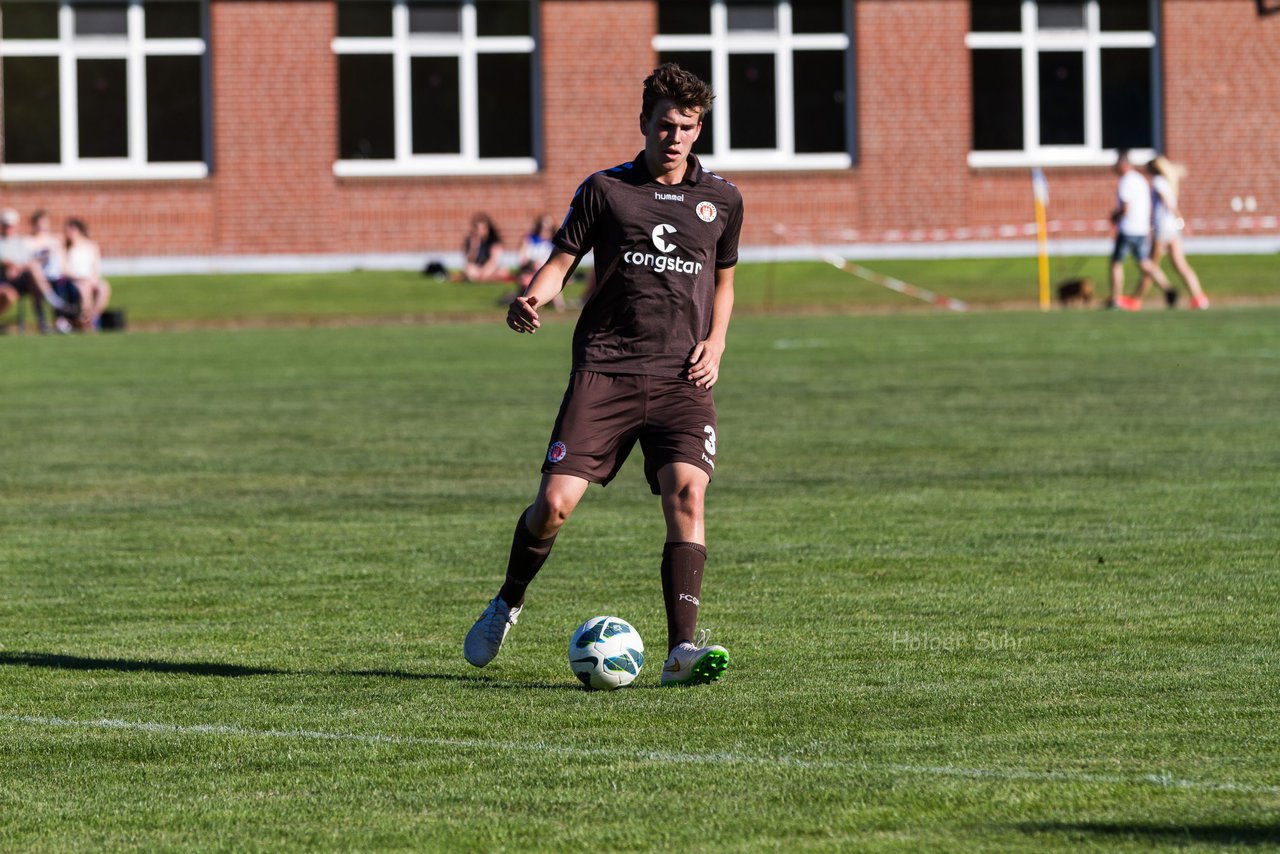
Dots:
pixel 272 190
pixel 1222 103
pixel 275 125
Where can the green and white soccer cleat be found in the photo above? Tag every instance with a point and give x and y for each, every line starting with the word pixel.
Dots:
pixel 695 665
pixel 486 636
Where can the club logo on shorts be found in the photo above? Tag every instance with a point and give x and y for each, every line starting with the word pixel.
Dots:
pixel 706 211
pixel 556 452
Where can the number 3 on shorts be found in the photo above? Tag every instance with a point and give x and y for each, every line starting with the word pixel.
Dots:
pixel 710 442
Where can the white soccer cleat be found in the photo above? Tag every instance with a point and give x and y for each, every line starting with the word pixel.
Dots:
pixel 486 636
pixel 695 665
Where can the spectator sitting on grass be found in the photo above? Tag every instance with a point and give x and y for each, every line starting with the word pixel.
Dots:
pixel 534 252
pixel 482 250
pixel 49 252
pixel 20 272
pixel 84 269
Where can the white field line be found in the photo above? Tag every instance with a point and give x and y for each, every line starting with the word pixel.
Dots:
pixel 657 757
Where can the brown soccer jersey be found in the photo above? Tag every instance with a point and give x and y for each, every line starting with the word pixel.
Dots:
pixel 657 248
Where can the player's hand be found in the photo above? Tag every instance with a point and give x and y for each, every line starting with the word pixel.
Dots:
pixel 522 316
pixel 704 363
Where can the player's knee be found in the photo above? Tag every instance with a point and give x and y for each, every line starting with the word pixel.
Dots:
pixel 687 499
pixel 550 512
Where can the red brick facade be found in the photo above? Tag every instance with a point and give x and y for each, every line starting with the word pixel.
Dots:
pixel 273 111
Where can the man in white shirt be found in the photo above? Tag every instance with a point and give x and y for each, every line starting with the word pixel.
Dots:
pixel 20 273
pixel 1132 217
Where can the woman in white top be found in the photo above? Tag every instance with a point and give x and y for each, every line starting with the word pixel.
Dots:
pixel 84 268
pixel 534 252
pixel 1167 224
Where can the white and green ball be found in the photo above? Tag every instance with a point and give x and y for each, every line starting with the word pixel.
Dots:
pixel 606 653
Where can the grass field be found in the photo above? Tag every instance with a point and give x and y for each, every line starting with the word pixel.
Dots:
pixel 996 581
pixel 169 301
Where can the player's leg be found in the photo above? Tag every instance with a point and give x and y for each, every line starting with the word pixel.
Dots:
pixel 531 544
pixel 536 531
pixel 684 555
pixel 680 451
pixel 592 436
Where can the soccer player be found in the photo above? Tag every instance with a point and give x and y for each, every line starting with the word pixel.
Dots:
pixel 646 353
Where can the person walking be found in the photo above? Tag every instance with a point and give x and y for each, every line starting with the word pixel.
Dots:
pixel 1167 224
pixel 1132 217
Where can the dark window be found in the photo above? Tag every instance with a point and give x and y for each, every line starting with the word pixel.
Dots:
pixel 503 18
pixel 175 109
pixel 1061 98
pixel 684 17
pixel 506 107
pixel 751 15
pixel 102 108
pixel 366 108
pixel 995 16
pixel 1126 98
pixel 102 19
pixel 170 20
pixel 1057 15
pixel 30 20
pixel 699 62
pixel 434 85
pixel 435 16
pixel 997 100
pixel 361 18
pixel 1124 15
pixel 817 16
pixel 819 101
pixel 753 110
pixel 32 129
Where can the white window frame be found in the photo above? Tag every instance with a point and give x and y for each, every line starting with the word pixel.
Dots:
pixel 134 48
pixel 782 43
pixel 467 45
pixel 1090 41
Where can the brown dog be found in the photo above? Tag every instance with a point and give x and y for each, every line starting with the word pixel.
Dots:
pixel 1074 291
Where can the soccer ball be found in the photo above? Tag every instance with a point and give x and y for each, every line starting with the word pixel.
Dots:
pixel 606 653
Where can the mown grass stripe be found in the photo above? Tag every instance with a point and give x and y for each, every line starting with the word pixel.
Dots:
pixel 653 756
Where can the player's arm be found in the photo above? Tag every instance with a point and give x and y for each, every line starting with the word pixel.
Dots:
pixel 550 280
pixel 704 362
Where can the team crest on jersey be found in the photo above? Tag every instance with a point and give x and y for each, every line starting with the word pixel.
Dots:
pixel 706 211
pixel 556 452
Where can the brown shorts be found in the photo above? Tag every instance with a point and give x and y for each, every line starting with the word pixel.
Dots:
pixel 603 415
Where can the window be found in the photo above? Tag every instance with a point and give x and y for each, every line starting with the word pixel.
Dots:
pixel 1062 82
pixel 782 74
pixel 103 90
pixel 435 87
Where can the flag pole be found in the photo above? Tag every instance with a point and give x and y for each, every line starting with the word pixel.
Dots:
pixel 1041 188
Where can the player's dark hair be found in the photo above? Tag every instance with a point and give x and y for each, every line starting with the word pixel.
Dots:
pixel 78 225
pixel 683 88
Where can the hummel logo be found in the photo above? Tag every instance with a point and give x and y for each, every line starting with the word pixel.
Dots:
pixel 685 597
pixel 669 197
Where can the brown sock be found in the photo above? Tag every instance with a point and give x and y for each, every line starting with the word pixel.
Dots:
pixel 528 554
pixel 682 565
